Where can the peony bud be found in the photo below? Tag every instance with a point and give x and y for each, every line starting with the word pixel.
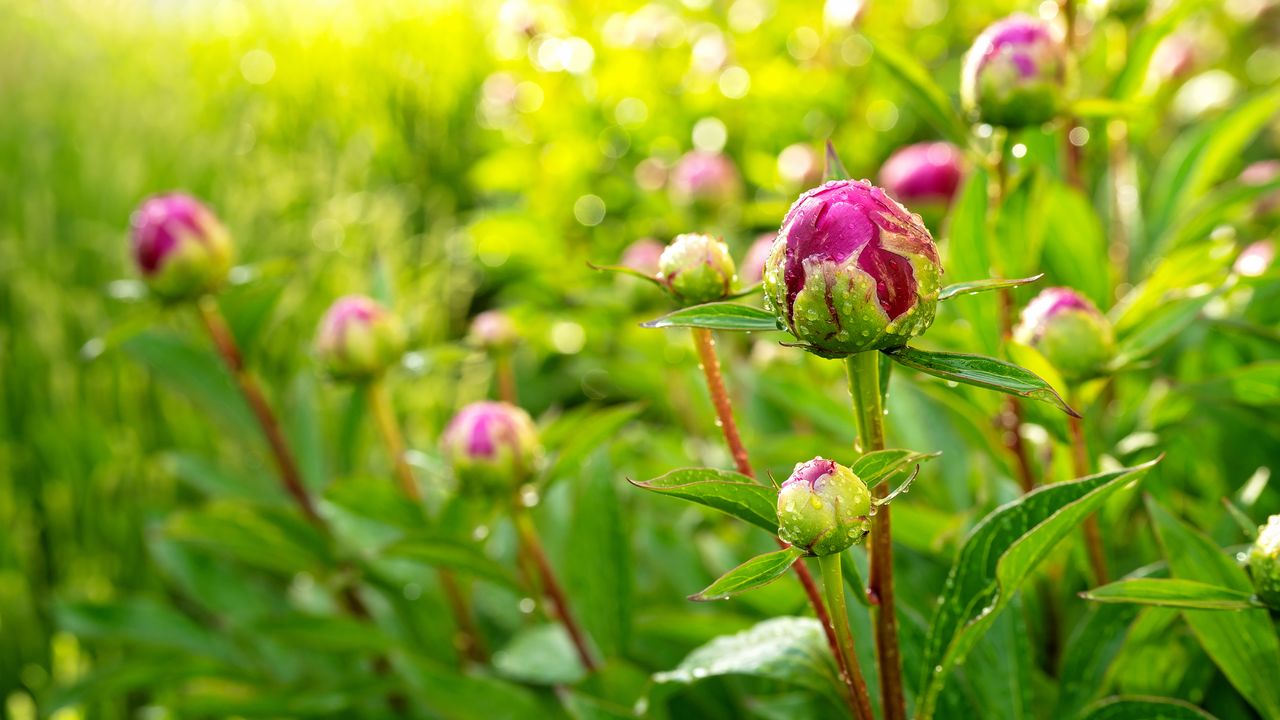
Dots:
pixel 923 174
pixel 643 255
pixel 697 268
pixel 1014 74
pixel 1264 562
pixel 1069 331
pixel 757 254
pixel 180 247
pixel 800 165
pixel 358 339
pixel 823 508
pixel 704 177
pixel 493 331
pixel 492 446
pixel 852 270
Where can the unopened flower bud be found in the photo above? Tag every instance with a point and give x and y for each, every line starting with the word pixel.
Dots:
pixel 492 446
pixel 493 331
pixel 926 173
pixel 697 268
pixel 358 339
pixel 1014 74
pixel 643 255
pixel 1264 562
pixel 757 254
pixel 180 247
pixel 823 508
pixel 852 270
pixel 1069 331
pixel 704 178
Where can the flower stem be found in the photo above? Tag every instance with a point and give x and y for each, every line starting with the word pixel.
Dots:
pixel 533 546
pixel 467 641
pixel 287 466
pixel 833 585
pixel 705 343
pixel 1092 534
pixel 504 368
pixel 864 388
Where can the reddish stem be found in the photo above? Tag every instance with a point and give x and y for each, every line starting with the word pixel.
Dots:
pixel 1092 534
pixel 533 546
pixel 705 344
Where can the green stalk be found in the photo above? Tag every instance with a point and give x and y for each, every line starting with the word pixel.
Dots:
pixel 868 411
pixel 833 586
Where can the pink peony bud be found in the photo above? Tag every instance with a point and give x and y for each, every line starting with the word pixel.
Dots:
pixel 493 330
pixel 1069 331
pixel 704 177
pixel 358 339
pixel 643 255
pixel 852 270
pixel 1014 74
pixel 757 254
pixel 823 508
pixel 926 172
pixel 492 446
pixel 179 246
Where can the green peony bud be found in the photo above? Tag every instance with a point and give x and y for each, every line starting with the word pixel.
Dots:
pixel 697 268
pixel 492 446
pixel 1014 74
pixel 1069 331
pixel 1264 562
pixel 823 508
pixel 852 270
pixel 180 247
pixel 358 339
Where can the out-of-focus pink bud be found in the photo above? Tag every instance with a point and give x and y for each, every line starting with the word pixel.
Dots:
pixel 493 330
pixel 358 338
pixel 643 255
pixel 1069 331
pixel 753 264
pixel 1013 76
pixel 924 173
pixel 180 247
pixel 492 447
pixel 704 177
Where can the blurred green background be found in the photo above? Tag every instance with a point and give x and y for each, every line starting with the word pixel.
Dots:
pixel 450 157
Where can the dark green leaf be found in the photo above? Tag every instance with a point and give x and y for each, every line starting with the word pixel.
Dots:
pixel 325 633
pixel 718 316
pixel 880 465
pixel 1094 644
pixel 756 572
pixel 1242 644
pixel 143 622
pixel 592 429
pixel 218 483
pixel 723 490
pixel 454 695
pixel 981 371
pixel 598 565
pixel 933 104
pixel 541 655
pixel 445 553
pixel 787 649
pixel 1173 593
pixel 997 557
pixel 1143 708
pixel 976 286
pixel 194 372
pixel 256 536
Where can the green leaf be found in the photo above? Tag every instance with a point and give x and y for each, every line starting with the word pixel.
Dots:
pixel 1198 221
pixel 462 557
pixel 218 483
pixel 756 572
pixel 1256 385
pixel 598 566
pixel 572 445
pixel 325 633
pixel 718 316
pixel 977 286
pixel 834 168
pixel 1020 224
pixel 454 695
pixel 144 622
pixel 881 465
pixel 968 257
pixel 1143 708
pixel 1242 644
pixel 196 373
pixel 726 491
pixel 625 270
pixel 540 655
pixel 792 650
pixel 1094 644
pixel 1173 593
pixel 997 557
pixel 1158 328
pixel 932 103
pixel 257 536
pixel 1075 250
pixel 983 372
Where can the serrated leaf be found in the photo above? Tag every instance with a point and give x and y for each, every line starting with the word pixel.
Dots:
pixel 1242 644
pixel 977 286
pixel 997 557
pixel 756 572
pixel 462 557
pixel 1143 708
pixel 1186 594
pixel 724 490
pixel 983 372
pixel 933 104
pixel 718 316
pixel 792 650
